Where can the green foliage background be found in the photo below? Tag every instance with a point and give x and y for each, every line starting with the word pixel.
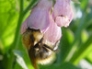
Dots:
pixel 76 42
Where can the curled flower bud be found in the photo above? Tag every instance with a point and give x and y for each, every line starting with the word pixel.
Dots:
pixel 62 13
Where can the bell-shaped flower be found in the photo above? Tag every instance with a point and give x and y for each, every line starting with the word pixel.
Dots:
pixel 39 17
pixel 62 13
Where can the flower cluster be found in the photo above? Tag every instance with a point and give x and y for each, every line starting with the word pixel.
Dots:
pixel 48 17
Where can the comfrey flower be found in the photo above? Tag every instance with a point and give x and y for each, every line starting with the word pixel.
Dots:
pixel 42 29
pixel 62 13
pixel 39 17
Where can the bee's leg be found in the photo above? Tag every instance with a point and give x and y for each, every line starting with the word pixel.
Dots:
pixel 32 58
pixel 56 45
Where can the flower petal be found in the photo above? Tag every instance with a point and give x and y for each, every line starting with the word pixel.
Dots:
pixel 39 19
pixel 53 34
pixel 62 7
pixel 62 21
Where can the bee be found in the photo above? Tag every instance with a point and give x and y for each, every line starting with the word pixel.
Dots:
pixel 39 51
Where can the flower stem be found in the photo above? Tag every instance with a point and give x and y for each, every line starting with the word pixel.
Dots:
pixel 15 43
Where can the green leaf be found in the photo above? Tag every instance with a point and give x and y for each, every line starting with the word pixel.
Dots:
pixel 19 59
pixel 8 20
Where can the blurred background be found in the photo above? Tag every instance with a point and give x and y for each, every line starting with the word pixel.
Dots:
pixel 75 49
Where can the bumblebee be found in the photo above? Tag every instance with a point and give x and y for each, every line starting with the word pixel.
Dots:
pixel 39 51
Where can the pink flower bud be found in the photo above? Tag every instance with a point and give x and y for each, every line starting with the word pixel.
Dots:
pixel 62 13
